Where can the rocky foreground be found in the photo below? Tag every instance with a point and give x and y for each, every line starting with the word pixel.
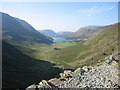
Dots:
pixel 100 76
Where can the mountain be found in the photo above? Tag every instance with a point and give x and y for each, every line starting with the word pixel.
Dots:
pixel 48 32
pixel 18 30
pixel 64 33
pixel 89 52
pixel 51 33
pixel 20 70
pixel 86 32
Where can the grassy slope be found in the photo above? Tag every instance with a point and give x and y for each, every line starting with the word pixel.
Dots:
pixel 86 32
pixel 20 70
pixel 89 52
pixel 67 43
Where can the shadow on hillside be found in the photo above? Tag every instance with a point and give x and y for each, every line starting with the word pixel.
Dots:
pixel 20 70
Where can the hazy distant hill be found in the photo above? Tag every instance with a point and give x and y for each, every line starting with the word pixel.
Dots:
pixel 18 30
pixel 48 32
pixel 64 33
pixel 86 32
pixel 51 33
pixel 20 70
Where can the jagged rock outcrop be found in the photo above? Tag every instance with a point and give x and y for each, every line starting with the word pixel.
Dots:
pixel 99 76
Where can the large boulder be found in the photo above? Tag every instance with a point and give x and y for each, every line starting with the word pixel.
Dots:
pixel 81 71
pixel 85 68
pixel 66 74
pixel 55 81
pixel 67 71
pixel 62 75
pixel 44 84
pixel 77 72
pixel 31 87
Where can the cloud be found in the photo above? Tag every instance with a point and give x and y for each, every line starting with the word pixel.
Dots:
pixel 95 10
pixel 91 11
pixel 111 8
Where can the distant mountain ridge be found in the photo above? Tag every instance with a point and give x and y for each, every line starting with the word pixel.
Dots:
pixel 18 30
pixel 48 32
pixel 51 33
pixel 87 31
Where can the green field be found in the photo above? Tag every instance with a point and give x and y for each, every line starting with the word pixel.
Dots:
pixel 67 43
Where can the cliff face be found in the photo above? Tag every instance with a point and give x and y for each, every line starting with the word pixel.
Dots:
pixel 102 75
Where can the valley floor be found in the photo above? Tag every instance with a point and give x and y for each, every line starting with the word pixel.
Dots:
pixel 47 52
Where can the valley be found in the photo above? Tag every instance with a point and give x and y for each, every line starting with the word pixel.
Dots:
pixel 72 55
pixel 77 54
pixel 42 55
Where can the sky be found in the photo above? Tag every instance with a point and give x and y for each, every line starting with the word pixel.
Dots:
pixel 63 16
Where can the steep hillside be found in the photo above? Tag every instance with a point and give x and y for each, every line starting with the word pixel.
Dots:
pixel 19 70
pixel 90 51
pixel 48 32
pixel 86 32
pixel 18 30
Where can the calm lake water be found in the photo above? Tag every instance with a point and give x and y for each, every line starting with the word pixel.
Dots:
pixel 61 39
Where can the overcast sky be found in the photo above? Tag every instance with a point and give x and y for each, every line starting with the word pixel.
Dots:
pixel 63 16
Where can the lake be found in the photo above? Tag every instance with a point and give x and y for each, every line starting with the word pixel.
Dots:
pixel 60 39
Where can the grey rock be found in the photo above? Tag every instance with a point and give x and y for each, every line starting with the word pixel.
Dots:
pixel 102 76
